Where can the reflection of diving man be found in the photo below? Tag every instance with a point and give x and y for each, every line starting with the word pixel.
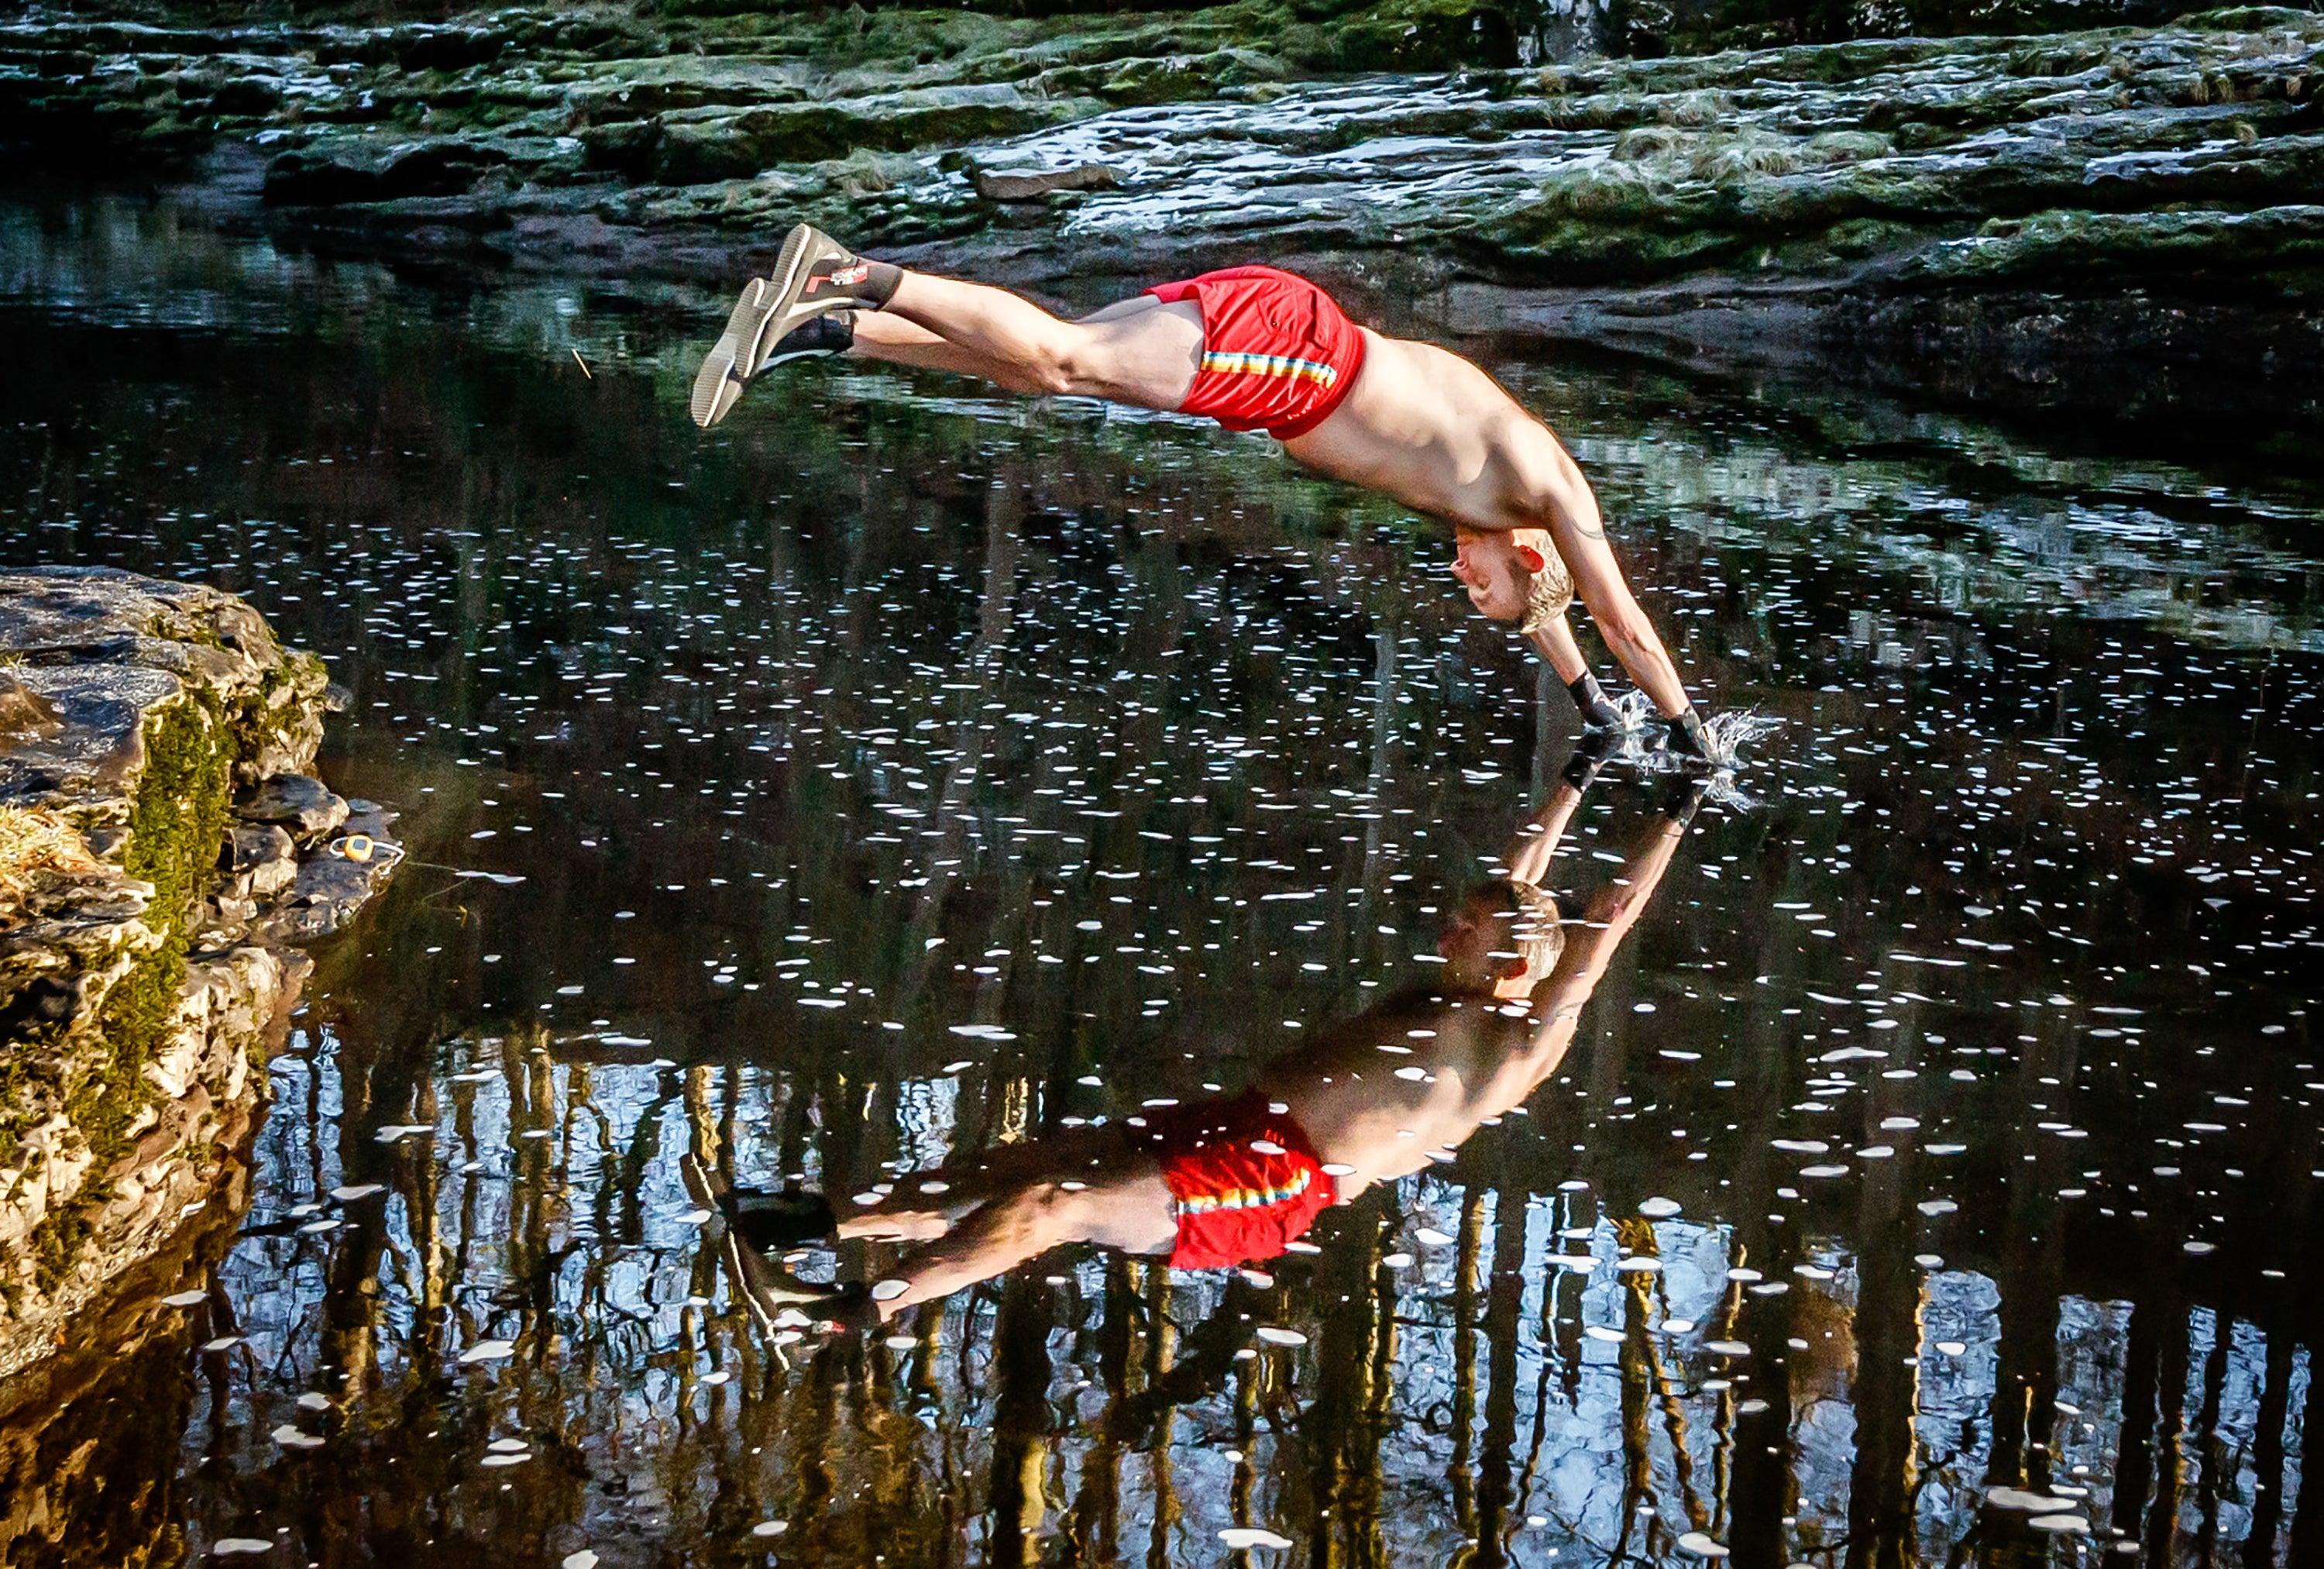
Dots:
pixel 1235 1179
pixel 1254 348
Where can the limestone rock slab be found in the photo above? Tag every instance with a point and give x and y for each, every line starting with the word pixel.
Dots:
pixel 162 850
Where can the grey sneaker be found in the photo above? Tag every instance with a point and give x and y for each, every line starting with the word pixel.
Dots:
pixel 815 273
pixel 817 338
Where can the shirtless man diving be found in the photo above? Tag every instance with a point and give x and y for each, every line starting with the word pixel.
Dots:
pixel 1255 348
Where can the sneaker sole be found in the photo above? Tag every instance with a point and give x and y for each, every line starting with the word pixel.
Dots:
pixel 802 249
pixel 715 385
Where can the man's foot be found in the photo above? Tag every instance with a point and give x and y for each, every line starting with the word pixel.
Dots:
pixel 814 274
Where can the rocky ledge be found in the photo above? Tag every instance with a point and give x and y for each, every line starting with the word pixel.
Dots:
pixel 2119 189
pixel 161 848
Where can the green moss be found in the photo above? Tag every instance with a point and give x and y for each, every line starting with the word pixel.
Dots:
pixel 58 1242
pixel 180 815
pixel 176 825
pixel 135 1020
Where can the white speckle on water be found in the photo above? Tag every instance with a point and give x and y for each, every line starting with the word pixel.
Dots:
pixel 1243 1538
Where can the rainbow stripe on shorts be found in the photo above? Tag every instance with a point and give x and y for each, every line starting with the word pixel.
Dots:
pixel 1270 364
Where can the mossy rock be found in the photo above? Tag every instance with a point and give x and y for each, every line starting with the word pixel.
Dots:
pixel 711 145
pixel 134 1058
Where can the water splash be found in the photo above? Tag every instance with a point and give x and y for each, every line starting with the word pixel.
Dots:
pixel 1640 743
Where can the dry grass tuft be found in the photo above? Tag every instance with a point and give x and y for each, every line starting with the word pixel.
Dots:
pixel 33 844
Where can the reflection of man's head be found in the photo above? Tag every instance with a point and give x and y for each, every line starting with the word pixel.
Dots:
pixel 1505 938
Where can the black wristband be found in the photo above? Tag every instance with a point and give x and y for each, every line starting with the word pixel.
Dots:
pixel 1598 711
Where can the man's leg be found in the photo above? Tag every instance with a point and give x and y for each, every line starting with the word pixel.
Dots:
pixel 1435 432
pixel 1140 351
pixel 1131 1211
pixel 895 339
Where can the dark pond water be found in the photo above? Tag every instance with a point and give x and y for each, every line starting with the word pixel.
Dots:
pixel 904 778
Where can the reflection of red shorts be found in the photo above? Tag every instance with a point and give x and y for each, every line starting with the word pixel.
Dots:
pixel 1276 352
pixel 1244 1180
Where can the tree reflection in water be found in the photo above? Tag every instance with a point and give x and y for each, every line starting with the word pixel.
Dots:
pixel 1085 749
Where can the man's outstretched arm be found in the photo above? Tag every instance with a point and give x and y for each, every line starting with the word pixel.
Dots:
pixel 1570 513
pixel 1557 645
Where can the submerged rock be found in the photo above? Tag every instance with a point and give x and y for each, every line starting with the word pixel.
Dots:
pixel 144 956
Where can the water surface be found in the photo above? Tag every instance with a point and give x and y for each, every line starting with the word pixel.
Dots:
pixel 900 773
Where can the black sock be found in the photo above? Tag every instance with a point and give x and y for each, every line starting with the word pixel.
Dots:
pixel 866 285
pixel 879 285
pixel 835 331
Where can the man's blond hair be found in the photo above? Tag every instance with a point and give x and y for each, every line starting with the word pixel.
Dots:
pixel 1547 594
pixel 1536 931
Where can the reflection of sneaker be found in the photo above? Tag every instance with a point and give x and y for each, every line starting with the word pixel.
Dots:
pixel 815 273
pixel 775 1222
pixel 778 1299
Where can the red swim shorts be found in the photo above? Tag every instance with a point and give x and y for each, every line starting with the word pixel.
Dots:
pixel 1244 1180
pixel 1278 354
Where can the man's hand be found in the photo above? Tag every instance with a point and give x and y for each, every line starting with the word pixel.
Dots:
pixel 1598 710
pixel 1681 796
pixel 1687 738
pixel 1589 755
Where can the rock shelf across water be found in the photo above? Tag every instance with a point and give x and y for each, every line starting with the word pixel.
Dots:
pixel 1927 194
pixel 162 847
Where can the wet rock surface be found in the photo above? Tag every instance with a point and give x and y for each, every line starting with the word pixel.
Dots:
pixel 1848 194
pixel 73 1427
pixel 158 858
